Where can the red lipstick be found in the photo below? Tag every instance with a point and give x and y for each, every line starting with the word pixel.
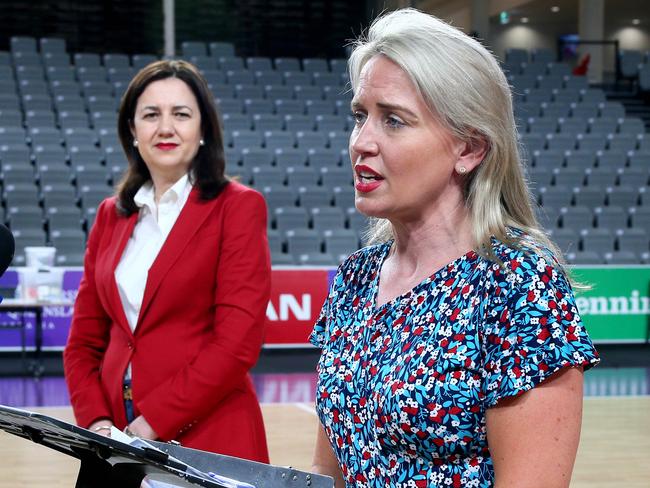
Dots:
pixel 166 146
pixel 367 179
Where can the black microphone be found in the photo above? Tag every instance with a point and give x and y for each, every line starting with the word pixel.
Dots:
pixel 7 248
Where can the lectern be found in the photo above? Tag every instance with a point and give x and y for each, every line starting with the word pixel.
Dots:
pixel 109 463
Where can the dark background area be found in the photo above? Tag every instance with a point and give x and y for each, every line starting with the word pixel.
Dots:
pixel 302 28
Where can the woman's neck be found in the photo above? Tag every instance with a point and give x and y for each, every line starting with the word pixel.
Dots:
pixel 425 245
pixel 162 183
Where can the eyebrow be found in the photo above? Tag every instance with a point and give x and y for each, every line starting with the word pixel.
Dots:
pixel 387 106
pixel 175 107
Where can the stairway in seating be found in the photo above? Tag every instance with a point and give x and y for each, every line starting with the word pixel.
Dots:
pixel 635 104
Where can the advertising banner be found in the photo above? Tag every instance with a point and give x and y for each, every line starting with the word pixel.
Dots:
pixel 616 307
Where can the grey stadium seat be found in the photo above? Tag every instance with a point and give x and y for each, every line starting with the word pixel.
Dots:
pixel 288 218
pixel 326 218
pixel 621 258
pixel 597 240
pixel 611 217
pixel 576 218
pixel 634 240
pixel 303 241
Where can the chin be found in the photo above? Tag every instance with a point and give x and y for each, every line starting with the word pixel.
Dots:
pixel 368 209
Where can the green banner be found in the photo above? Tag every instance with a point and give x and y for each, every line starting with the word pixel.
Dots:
pixel 617 306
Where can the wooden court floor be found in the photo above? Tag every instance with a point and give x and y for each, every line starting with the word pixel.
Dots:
pixel 614 449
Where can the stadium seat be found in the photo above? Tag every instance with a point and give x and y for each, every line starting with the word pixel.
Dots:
pixel 357 221
pixel 630 62
pixel 87 170
pixel 17 174
pixel 611 217
pixel 576 218
pixel 139 61
pixel 287 64
pixel 219 49
pixel 279 140
pixel 556 196
pixel 640 217
pixel 256 156
pixel 634 240
pixel 299 123
pixel 309 92
pixel 584 257
pixel 268 122
pixel 54 175
pixel 26 215
pixel 340 243
pixel 621 258
pixel 303 241
pixel 267 176
pixel 597 240
pixel 590 196
pixel 312 65
pixel 622 142
pixel 601 176
pixel 92 195
pixel 275 241
pixel 325 157
pixel 64 218
pixel 314 196
pixel 301 176
pixel 569 176
pixel 22 44
pixel 622 196
pixel 258 63
pixel 52 45
pixel 566 239
pixel 116 60
pixel 316 259
pixel 633 176
pixel 289 218
pixel 278 196
pixel 327 218
pixel 285 157
pixel 343 196
pixel 334 176
pixel 311 140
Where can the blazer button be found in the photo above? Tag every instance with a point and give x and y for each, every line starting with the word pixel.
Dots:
pixel 130 345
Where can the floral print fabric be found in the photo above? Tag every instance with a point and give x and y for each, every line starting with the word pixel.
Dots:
pixel 403 388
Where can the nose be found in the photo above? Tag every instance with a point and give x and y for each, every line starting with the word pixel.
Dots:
pixel 166 125
pixel 363 142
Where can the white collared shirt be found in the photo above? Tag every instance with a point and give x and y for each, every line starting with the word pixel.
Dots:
pixel 150 232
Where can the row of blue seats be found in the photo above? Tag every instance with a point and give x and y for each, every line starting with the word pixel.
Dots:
pixel 22 77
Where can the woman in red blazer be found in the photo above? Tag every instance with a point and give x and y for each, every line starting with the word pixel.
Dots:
pixel 198 323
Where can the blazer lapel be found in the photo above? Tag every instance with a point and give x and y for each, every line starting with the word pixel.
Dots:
pixel 189 222
pixel 122 232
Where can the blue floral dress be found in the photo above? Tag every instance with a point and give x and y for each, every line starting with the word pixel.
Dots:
pixel 403 388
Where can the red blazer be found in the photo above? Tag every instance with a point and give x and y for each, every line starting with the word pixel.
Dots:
pixel 199 331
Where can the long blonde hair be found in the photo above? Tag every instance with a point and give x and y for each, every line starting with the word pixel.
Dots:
pixel 462 83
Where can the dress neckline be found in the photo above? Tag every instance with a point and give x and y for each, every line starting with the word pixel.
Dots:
pixel 383 254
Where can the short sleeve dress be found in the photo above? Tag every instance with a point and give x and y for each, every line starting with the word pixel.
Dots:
pixel 403 388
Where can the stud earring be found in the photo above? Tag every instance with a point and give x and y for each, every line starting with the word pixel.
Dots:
pixel 201 142
pixel 462 170
pixel 135 143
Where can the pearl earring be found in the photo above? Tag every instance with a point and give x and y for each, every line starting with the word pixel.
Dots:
pixel 462 170
pixel 201 142
pixel 135 143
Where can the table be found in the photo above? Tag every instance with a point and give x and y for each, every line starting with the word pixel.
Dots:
pixel 36 307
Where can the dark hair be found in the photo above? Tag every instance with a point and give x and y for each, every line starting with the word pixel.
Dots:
pixel 208 167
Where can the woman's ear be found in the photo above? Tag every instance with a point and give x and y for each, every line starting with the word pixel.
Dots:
pixel 473 153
